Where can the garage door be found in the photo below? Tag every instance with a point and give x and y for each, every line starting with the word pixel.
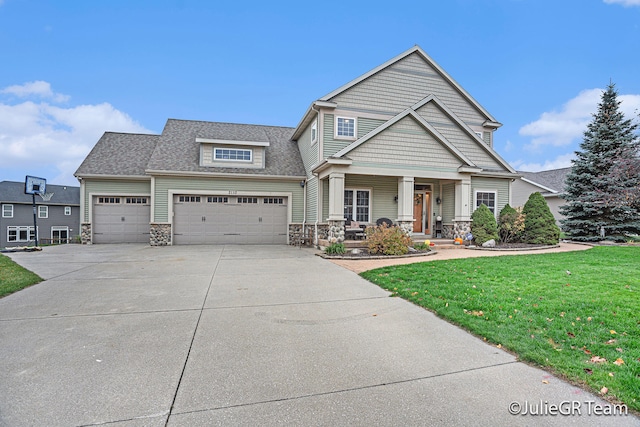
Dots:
pixel 229 219
pixel 121 219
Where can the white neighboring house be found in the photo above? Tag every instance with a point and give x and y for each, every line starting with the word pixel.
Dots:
pixel 548 183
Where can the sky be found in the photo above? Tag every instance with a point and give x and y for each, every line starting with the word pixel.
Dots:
pixel 70 70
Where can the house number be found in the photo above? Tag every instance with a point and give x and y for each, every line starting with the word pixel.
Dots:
pixel 233 192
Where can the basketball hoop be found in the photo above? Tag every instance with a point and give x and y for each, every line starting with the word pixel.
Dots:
pixel 46 196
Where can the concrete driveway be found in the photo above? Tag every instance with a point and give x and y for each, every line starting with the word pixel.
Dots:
pixel 132 335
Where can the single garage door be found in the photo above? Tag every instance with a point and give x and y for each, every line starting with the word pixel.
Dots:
pixel 229 219
pixel 121 219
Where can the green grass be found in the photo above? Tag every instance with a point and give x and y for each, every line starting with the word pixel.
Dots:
pixel 529 305
pixel 14 278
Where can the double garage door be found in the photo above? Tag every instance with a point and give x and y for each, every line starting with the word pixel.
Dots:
pixel 121 219
pixel 199 219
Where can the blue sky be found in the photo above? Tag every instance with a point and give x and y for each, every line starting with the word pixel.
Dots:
pixel 71 70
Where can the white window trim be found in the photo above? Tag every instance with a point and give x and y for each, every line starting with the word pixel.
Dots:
pixel 18 228
pixel 495 198
pixel 10 215
pixel 59 228
pixel 479 134
pixel 233 160
pixel 355 128
pixel 314 129
pixel 355 195
pixel 67 209
pixel 46 211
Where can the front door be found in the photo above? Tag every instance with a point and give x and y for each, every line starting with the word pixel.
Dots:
pixel 418 209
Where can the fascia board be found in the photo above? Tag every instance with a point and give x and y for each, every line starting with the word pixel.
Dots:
pixel 233 142
pixel 550 190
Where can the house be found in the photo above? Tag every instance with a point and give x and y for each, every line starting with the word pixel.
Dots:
pixel 58 214
pixel 404 142
pixel 549 183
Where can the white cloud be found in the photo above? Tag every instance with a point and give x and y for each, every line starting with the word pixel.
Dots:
pixel 38 89
pixel 563 161
pixel 44 136
pixel 561 128
pixel 625 3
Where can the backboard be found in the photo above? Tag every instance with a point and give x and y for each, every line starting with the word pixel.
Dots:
pixel 35 185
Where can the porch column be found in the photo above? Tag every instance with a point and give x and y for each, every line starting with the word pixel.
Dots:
pixel 462 220
pixel 405 203
pixel 336 207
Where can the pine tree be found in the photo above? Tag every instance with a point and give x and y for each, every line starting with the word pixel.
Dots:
pixel 608 152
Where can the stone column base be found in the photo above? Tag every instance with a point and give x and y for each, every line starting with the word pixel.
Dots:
pixel 160 234
pixel 85 233
pixel 406 227
pixel 461 229
pixel 336 232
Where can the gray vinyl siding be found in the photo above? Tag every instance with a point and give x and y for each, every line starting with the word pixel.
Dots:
pixel 312 200
pixel 520 192
pixel 23 216
pixel 383 190
pixel 403 84
pixel 332 145
pixel 500 185
pixel 448 203
pixel 115 187
pixel 405 143
pixel 456 136
pixel 308 151
pixel 486 136
pixel 325 200
pixel 223 186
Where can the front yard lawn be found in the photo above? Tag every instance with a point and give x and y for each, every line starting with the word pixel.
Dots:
pixel 574 313
pixel 14 278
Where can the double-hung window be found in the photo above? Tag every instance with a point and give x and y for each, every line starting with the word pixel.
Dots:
pixel 314 132
pixel 7 211
pixel 345 127
pixel 43 211
pixel 67 210
pixel 487 198
pixel 357 205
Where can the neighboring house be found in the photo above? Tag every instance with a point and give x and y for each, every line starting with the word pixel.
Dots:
pixel 548 183
pixel 404 141
pixel 58 218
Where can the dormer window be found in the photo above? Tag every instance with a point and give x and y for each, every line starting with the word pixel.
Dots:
pixel 233 154
pixel 345 127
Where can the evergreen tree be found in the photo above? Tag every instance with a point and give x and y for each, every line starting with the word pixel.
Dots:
pixel 539 224
pixel 483 225
pixel 608 152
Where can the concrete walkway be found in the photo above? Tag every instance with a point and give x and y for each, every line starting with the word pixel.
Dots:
pixel 130 335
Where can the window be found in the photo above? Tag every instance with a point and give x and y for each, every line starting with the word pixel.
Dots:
pixel 232 154
pixel 136 200
pixel 488 198
pixel 314 132
pixel 109 200
pixel 59 235
pixel 190 199
pixel 345 127
pixel 67 210
pixel 356 205
pixel 273 201
pixel 20 234
pixel 217 199
pixel 247 200
pixel 7 211
pixel 43 211
pixel 480 135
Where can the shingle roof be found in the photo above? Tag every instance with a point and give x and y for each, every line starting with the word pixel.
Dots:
pixel 13 192
pixel 119 154
pixel 553 179
pixel 178 151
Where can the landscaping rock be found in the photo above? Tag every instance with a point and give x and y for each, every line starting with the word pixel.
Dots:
pixel 489 244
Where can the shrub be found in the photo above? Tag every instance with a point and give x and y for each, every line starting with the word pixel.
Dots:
pixel 388 240
pixel 335 249
pixel 483 225
pixel 422 247
pixel 510 224
pixel 539 224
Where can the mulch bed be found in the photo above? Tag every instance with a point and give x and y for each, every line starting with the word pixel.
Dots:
pixel 364 254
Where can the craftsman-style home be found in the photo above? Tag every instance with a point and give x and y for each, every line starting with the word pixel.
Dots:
pixel 403 142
